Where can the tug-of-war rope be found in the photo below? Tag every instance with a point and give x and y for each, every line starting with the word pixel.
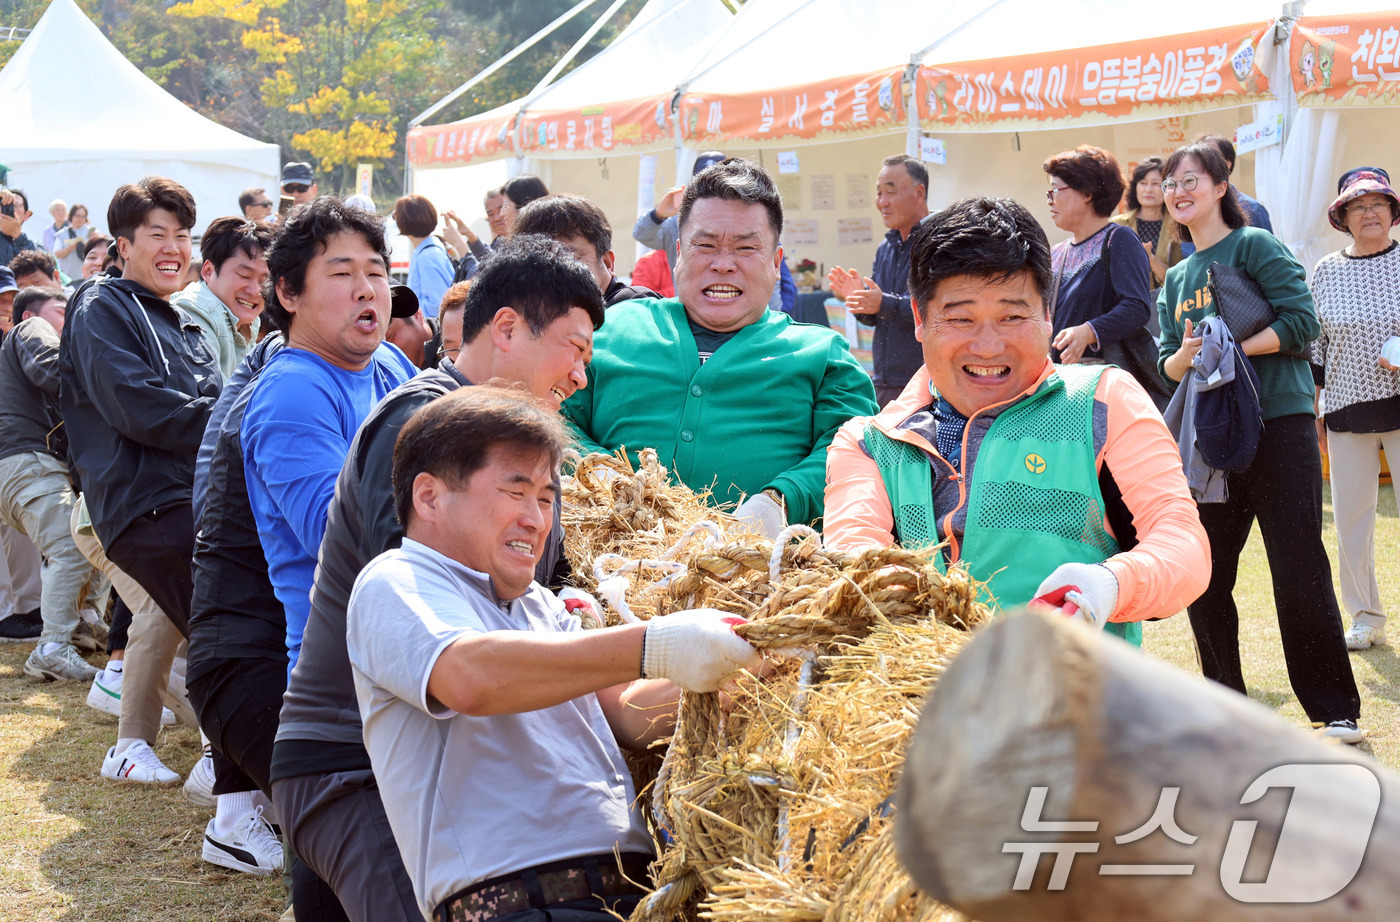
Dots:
pixel 775 806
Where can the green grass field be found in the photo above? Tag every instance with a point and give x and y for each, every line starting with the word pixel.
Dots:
pixel 76 847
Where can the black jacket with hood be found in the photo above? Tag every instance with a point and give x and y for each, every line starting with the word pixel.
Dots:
pixel 137 384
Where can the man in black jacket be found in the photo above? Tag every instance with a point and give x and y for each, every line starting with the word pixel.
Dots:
pixel 529 319
pixel 138 381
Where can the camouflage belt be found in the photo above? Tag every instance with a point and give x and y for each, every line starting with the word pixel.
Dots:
pixel 560 882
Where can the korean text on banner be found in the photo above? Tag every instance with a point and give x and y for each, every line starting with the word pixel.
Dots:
pixel 1169 74
pixel 841 105
pixel 462 142
pixel 1347 59
pixel 637 124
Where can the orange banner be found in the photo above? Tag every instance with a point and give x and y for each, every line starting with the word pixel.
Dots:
pixel 599 130
pixel 460 143
pixel 1351 59
pixel 841 105
pixel 1167 73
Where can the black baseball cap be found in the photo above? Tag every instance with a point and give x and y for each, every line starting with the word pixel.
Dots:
pixel 298 173
pixel 708 158
pixel 403 302
pixel 7 280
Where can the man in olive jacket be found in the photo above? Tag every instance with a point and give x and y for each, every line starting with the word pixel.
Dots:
pixel 734 397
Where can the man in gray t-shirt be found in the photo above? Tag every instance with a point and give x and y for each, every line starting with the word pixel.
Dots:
pixel 493 723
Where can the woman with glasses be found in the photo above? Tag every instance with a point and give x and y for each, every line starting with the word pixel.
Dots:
pixel 1282 487
pixel 1147 217
pixel 1357 292
pixel 1100 305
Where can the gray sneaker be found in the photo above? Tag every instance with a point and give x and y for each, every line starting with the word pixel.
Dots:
pixel 60 665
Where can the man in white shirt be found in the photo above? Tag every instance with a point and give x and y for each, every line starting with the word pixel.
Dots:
pixel 492 721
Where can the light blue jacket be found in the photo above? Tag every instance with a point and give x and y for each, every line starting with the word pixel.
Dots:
pixel 219 324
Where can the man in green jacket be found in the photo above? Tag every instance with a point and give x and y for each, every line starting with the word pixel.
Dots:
pixel 733 397
pixel 228 299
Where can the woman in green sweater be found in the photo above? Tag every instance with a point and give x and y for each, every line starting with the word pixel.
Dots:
pixel 1282 488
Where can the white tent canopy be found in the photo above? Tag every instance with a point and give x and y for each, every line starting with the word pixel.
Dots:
pixel 82 120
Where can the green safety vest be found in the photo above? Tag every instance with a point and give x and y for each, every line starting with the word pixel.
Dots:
pixel 1034 502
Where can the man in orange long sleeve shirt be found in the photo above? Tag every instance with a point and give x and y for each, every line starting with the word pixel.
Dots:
pixel 1052 482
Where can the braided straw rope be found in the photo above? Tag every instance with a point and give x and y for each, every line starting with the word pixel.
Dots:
pixel 773 805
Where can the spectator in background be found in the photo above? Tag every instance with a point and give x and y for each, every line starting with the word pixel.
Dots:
pixel 329 280
pixel 660 230
pixel 499 215
pixel 1148 218
pixel 1258 215
pixel 582 227
pixel 411 332
pixel 59 212
pixel 36 493
pixel 429 269
pixel 256 205
pixel 1282 487
pixel 8 291
pixel 299 182
pixel 95 254
pixel 1099 308
pixel 519 192
pixel 694 378
pixel 1357 292
pixel 882 300
pixel 14 211
pixel 36 269
pixel 654 272
pixel 447 340
pixel 228 299
pixel 68 242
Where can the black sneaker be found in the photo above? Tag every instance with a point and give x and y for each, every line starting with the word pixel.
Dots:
pixel 25 626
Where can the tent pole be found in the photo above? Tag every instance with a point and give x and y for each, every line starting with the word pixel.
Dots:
pixel 520 49
pixel 578 46
pixel 911 141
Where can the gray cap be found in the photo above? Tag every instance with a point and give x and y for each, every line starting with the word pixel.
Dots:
pixel 708 158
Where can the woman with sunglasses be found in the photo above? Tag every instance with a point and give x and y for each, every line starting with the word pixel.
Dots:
pixel 1357 290
pixel 1282 487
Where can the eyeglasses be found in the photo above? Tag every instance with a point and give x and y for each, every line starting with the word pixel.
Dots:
pixel 1053 191
pixel 1188 184
pixel 1356 208
pixel 262 204
pixel 295 188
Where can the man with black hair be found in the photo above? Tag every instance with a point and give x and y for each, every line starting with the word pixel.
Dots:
pixel 36 492
pixel 35 269
pixel 582 227
pixel 529 319
pixel 734 397
pixel 228 299
pixel 329 284
pixel 881 300
pixel 138 381
pixel 256 205
pixel 1051 483
pixel 480 694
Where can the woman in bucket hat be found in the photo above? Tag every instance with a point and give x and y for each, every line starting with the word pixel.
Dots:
pixel 1357 293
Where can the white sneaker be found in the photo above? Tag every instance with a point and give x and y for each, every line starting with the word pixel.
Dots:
pixel 1363 636
pixel 251 848
pixel 199 786
pixel 106 696
pixel 1343 731
pixel 138 763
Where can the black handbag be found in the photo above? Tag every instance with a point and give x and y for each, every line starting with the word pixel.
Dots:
pixel 1239 301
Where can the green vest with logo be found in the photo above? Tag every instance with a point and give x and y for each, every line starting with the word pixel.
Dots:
pixel 1034 502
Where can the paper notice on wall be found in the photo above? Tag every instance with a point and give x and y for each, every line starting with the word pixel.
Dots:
pixel 823 193
pixel 933 150
pixel 803 233
pixel 646 183
pixel 790 188
pixel 853 231
pixel 857 191
pixel 787 161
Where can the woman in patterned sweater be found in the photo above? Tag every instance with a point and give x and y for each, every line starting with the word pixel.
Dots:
pixel 1357 292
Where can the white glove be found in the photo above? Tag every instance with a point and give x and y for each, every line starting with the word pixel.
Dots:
pixel 696 649
pixel 762 514
pixel 1084 591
